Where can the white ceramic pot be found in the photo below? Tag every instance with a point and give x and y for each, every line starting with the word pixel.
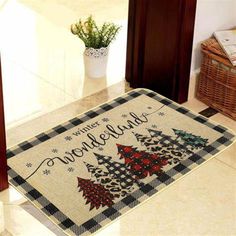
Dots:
pixel 95 62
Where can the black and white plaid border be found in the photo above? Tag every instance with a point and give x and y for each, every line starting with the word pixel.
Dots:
pixel 132 200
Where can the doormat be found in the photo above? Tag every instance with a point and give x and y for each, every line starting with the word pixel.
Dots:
pixel 87 172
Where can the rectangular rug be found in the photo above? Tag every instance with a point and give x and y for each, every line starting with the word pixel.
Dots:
pixel 87 172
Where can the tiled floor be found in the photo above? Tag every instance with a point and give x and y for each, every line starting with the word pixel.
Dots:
pixel 42 60
pixel 201 203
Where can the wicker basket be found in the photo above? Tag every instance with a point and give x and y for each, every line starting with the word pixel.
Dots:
pixel 217 81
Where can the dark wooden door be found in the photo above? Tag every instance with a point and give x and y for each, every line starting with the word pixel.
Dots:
pixel 3 160
pixel 160 35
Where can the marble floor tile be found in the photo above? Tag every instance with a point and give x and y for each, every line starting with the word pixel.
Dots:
pixel 228 156
pixel 38 125
pixel 195 105
pixel 56 63
pixel 202 203
pixel 222 119
pixel 11 197
pixel 19 222
pixel 26 96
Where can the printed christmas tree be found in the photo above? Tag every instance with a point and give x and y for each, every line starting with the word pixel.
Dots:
pixel 155 145
pixel 175 148
pixel 95 194
pixel 171 147
pixel 151 143
pixel 118 170
pixel 141 164
pixel 189 139
pixel 113 185
pixel 97 173
pixel 163 139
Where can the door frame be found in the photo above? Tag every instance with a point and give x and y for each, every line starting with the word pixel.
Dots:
pixel 3 160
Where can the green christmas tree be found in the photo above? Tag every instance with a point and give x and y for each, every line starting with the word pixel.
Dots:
pixel 189 139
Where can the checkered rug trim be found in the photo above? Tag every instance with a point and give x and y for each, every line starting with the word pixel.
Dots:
pixel 137 196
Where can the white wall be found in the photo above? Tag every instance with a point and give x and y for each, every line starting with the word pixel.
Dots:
pixel 211 15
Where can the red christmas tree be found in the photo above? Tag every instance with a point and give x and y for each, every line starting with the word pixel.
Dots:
pixel 95 194
pixel 141 163
pixel 109 182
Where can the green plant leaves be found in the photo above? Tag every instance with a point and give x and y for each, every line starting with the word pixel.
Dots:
pixel 92 35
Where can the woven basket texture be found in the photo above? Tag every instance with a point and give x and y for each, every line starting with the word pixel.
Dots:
pixel 217 81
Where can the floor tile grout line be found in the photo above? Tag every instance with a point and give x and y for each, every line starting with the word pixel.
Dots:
pixel 12 204
pixel 43 79
pixel 225 163
pixel 40 78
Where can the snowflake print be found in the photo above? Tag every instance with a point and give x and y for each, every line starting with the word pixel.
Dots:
pixel 154 126
pixel 100 149
pixel 54 150
pixel 68 138
pixel 105 119
pixel 46 172
pixel 124 115
pixel 71 169
pixel 161 113
pixel 29 165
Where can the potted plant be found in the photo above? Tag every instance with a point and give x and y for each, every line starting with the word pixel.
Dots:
pixel 96 40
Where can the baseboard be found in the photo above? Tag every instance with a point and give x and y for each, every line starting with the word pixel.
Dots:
pixel 192 84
